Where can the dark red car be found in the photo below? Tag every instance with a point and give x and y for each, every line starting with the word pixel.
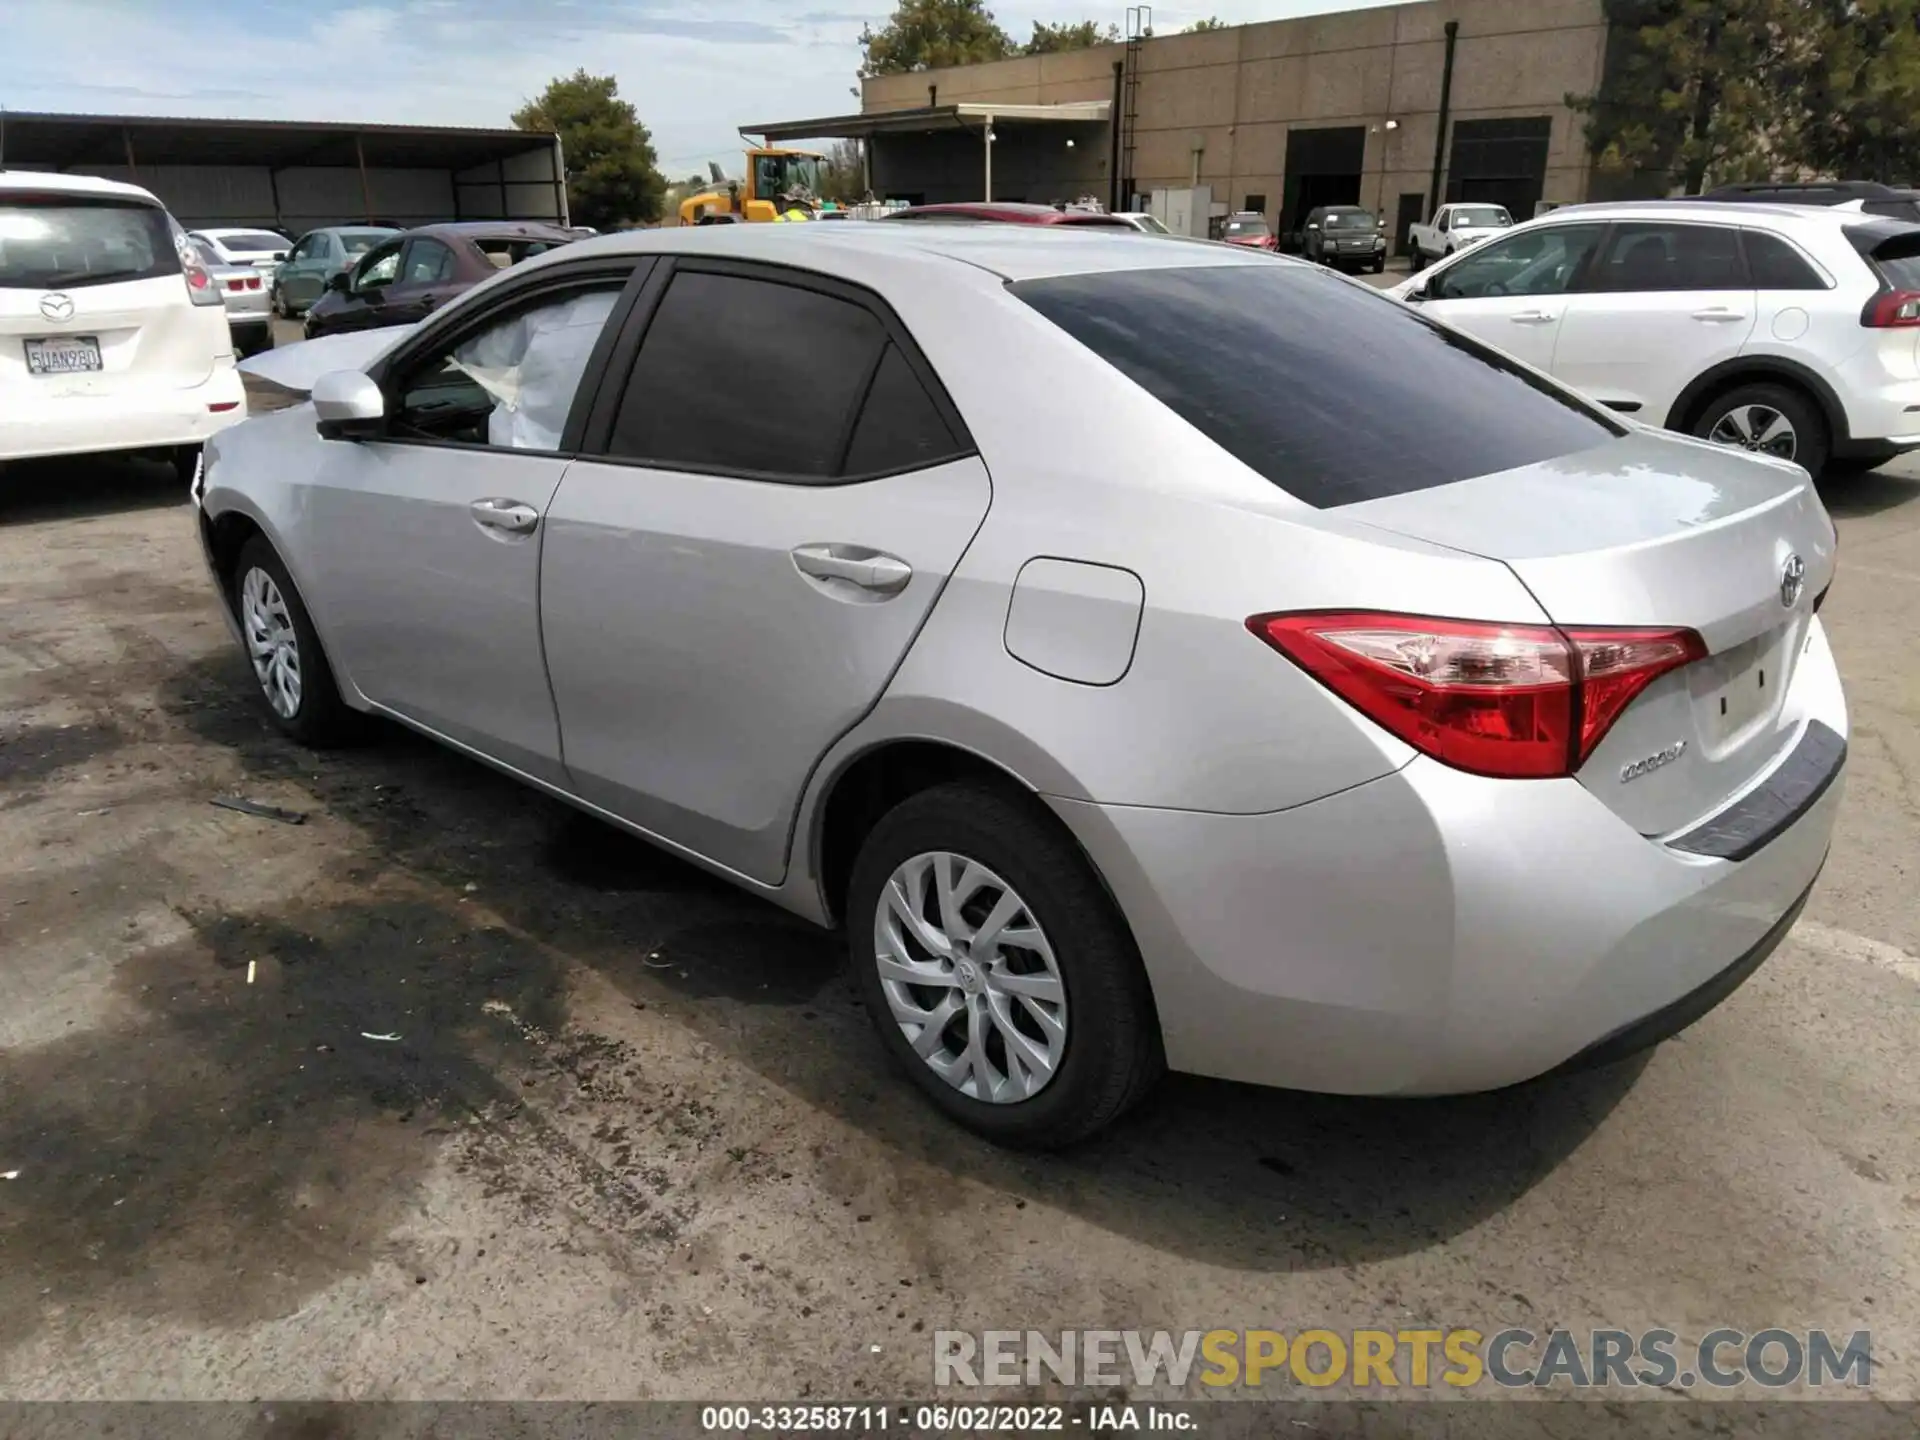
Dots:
pixel 402 280
pixel 1249 228
pixel 1008 212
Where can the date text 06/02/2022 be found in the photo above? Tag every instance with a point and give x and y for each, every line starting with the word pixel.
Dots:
pixel 943 1419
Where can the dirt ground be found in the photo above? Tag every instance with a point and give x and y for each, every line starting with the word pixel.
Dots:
pixel 632 1136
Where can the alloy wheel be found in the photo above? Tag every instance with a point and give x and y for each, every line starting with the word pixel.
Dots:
pixel 970 977
pixel 272 643
pixel 1759 428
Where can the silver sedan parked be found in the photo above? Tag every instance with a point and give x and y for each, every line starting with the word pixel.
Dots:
pixel 1150 655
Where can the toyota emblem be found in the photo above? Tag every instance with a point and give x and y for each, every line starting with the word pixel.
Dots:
pixel 57 306
pixel 1793 578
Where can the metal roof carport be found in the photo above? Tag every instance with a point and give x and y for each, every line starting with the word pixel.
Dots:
pixel 294 175
pixel 972 150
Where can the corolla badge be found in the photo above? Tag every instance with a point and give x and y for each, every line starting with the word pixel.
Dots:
pixel 57 306
pixel 1653 762
pixel 1793 578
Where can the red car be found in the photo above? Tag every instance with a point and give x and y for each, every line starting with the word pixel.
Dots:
pixel 1249 228
pixel 1009 212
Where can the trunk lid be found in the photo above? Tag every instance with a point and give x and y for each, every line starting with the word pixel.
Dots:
pixel 149 335
pixel 1655 530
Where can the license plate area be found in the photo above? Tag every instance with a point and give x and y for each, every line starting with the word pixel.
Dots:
pixel 63 355
pixel 1738 689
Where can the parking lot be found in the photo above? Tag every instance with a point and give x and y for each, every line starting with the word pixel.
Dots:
pixel 449 1091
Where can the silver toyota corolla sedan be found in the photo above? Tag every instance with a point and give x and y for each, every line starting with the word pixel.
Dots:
pixel 1150 655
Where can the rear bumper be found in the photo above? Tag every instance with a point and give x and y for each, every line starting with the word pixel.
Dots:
pixel 137 420
pixel 1433 932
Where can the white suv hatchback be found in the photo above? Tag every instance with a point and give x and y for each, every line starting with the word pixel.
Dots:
pixel 112 334
pixel 1788 330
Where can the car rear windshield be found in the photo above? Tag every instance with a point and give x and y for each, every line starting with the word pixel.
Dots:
pixel 1481 215
pixel 1334 394
pixel 250 240
pixel 61 242
pixel 1902 272
pixel 507 251
pixel 359 242
pixel 1246 227
pixel 1350 220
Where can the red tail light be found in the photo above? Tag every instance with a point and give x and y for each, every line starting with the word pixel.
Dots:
pixel 1514 701
pixel 253 282
pixel 201 286
pixel 1892 310
pixel 236 284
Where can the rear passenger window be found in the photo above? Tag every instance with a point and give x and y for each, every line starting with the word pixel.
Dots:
pixel 1650 257
pixel 1776 265
pixel 747 376
pixel 899 427
pixel 1334 394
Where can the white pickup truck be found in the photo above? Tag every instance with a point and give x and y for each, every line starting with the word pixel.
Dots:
pixel 1454 228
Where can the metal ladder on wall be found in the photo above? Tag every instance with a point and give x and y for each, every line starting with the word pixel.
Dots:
pixel 1139 31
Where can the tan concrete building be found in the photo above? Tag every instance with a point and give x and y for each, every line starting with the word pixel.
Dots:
pixel 1328 109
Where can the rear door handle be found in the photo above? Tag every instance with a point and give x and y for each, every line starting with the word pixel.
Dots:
pixel 855 564
pixel 1718 315
pixel 1534 317
pixel 513 516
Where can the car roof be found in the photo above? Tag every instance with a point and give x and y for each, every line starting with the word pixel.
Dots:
pixel 488 230
pixel 1002 252
pixel 1698 209
pixel 1014 210
pixel 48 181
pixel 216 232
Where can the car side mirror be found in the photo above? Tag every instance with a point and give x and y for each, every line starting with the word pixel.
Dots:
pixel 340 280
pixel 1418 292
pixel 347 405
pixel 279 254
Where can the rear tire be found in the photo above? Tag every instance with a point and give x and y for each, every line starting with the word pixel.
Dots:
pixel 989 1006
pixel 284 652
pixel 1419 259
pixel 185 460
pixel 1751 417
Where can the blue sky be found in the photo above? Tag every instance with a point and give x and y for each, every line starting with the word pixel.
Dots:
pixel 695 71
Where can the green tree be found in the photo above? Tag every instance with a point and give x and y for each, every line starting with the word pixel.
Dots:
pixel 1858 69
pixel 1200 27
pixel 933 34
pixel 842 178
pixel 612 178
pixel 1697 90
pixel 1052 39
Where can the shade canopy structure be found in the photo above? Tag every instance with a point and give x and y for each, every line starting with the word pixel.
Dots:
pixel 292 175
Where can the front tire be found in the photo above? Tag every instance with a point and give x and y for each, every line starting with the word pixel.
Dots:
pixel 997 970
pixel 1768 419
pixel 284 652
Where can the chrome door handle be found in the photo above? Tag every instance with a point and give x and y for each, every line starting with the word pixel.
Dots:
pixel 1533 317
pixel 1718 316
pixel 509 515
pixel 855 564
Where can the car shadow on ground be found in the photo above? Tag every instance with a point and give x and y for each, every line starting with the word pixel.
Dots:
pixel 1233 1175
pixel 72 488
pixel 1868 494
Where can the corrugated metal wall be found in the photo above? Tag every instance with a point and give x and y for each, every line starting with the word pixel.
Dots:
pixel 300 198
